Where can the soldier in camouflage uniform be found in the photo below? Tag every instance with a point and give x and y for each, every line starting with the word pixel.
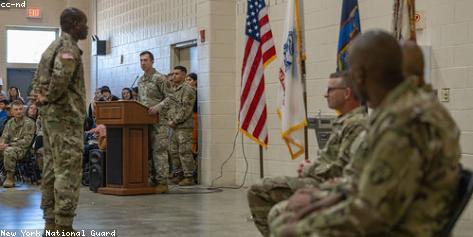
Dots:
pixel 182 123
pixel 59 89
pixel 15 141
pixel 153 87
pixel 413 65
pixel 411 160
pixel 333 158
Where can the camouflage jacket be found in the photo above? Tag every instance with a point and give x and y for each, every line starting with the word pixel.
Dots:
pixel 19 133
pixel 336 154
pixel 60 76
pixel 409 175
pixel 180 111
pixel 152 90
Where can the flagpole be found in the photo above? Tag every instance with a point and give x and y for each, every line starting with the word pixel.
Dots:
pixel 300 38
pixel 261 168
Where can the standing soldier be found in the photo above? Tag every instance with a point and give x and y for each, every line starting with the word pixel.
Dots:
pixel 180 120
pixel 153 88
pixel 59 89
pixel 15 141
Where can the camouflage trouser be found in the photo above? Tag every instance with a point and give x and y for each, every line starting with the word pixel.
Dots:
pixel 62 168
pixel 181 150
pixel 159 150
pixel 10 156
pixel 262 197
pixel 277 211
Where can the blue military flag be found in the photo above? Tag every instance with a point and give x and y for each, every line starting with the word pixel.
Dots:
pixel 350 27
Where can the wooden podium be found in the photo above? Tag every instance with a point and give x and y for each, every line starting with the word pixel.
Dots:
pixel 126 163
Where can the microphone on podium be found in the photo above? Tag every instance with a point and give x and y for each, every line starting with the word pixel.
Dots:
pixel 134 81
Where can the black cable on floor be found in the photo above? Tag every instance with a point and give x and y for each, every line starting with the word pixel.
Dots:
pixel 229 157
pixel 212 188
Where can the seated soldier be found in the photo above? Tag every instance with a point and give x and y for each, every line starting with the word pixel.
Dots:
pixel 411 159
pixel 38 144
pixel 334 157
pixel 15 141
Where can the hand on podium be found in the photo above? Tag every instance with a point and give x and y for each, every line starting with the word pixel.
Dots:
pixel 154 110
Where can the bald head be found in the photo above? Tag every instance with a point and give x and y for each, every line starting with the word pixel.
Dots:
pixel 375 65
pixel 74 22
pixel 413 61
pixel 379 54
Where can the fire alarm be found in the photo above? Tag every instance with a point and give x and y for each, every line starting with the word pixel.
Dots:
pixel 202 36
pixel 420 20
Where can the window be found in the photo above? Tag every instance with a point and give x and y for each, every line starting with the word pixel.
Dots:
pixel 27 45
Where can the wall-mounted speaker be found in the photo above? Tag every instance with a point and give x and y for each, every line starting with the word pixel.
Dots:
pixel 99 47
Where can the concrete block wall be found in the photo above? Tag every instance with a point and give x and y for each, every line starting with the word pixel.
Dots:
pixel 131 27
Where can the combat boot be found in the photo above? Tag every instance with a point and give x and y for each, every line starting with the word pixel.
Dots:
pixel 177 178
pixel 162 188
pixel 10 181
pixel 187 182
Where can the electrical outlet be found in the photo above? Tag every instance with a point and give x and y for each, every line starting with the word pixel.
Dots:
pixel 444 95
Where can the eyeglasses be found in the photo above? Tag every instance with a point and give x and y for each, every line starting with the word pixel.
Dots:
pixel 330 89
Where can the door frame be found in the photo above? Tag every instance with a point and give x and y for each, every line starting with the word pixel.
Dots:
pixel 175 51
pixel 23 65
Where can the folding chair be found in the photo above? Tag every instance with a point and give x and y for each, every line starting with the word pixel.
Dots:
pixel 465 190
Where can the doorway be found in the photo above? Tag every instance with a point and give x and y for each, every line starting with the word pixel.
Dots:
pixel 24 47
pixel 20 78
pixel 186 54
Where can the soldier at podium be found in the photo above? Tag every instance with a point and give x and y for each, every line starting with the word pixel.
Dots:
pixel 153 88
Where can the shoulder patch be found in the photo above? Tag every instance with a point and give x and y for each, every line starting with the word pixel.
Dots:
pixel 67 56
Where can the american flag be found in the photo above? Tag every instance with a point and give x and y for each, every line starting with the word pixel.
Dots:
pixel 259 52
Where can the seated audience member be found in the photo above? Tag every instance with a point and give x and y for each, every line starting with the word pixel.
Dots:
pixel 89 122
pixel 14 94
pixel 411 160
pixel 3 112
pixel 32 112
pixel 3 95
pixel 134 93
pixel 38 143
pixel 4 122
pixel 15 141
pixel 96 138
pixel 107 94
pixel 127 94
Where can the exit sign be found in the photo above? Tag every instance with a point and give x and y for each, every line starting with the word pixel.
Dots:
pixel 33 13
